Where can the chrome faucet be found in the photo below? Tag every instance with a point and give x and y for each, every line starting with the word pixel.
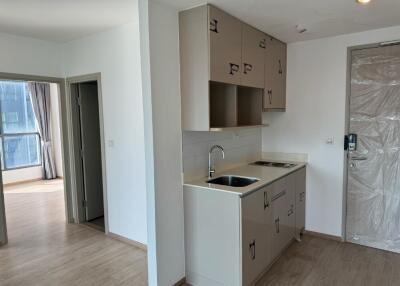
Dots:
pixel 211 170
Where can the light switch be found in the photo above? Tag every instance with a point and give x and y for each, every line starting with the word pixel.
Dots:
pixel 110 143
pixel 330 141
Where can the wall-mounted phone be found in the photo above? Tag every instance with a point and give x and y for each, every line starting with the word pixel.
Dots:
pixel 350 142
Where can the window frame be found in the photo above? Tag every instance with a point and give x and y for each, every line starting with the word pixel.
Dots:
pixel 19 134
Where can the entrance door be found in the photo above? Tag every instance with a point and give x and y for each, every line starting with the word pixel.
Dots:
pixel 373 192
pixel 91 149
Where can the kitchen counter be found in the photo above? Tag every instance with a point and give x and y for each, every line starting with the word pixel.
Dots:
pixel 266 176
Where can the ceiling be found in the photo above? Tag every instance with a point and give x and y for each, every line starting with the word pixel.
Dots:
pixel 63 20
pixel 321 18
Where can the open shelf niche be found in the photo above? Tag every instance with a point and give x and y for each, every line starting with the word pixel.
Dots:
pixel 233 106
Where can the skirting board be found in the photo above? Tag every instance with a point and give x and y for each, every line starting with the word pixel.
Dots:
pixel 181 282
pixel 22 182
pixel 127 241
pixel 324 236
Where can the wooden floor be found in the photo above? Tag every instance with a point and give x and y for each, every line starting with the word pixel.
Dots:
pixel 317 261
pixel 44 250
pixel 321 262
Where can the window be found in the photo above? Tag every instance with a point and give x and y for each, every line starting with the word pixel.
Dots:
pixel 19 136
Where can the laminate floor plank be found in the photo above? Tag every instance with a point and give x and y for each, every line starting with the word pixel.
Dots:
pixel 321 262
pixel 44 250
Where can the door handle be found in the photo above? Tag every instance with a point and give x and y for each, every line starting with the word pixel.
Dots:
pixel 358 158
pixel 280 67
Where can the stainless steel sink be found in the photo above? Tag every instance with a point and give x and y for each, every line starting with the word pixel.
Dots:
pixel 233 181
pixel 274 164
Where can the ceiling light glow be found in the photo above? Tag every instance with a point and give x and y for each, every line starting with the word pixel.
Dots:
pixel 363 1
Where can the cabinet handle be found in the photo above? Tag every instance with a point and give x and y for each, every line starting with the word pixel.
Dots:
pixel 277 225
pixel 280 67
pixel 247 68
pixel 214 26
pixel 290 211
pixel 266 202
pixel 263 44
pixel 233 68
pixel 281 194
pixel 302 195
pixel 270 96
pixel 252 249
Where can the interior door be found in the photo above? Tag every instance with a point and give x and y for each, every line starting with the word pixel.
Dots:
pixel 373 191
pixel 91 150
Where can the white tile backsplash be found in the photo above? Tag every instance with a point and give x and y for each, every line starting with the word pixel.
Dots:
pixel 240 147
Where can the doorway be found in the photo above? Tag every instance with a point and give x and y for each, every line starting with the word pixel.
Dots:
pixel 88 150
pixel 31 154
pixel 373 167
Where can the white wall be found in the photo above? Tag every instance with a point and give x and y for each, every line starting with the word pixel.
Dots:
pixel 29 56
pixel 240 148
pixel 162 105
pixel 116 55
pixel 316 94
pixel 22 175
pixel 56 127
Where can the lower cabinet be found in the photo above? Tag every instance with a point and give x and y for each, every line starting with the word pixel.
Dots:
pixel 257 217
pixel 232 240
pixel 284 214
pixel 300 186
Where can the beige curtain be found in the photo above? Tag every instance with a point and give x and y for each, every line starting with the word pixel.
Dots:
pixel 40 97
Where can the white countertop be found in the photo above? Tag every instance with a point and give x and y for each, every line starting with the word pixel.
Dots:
pixel 266 176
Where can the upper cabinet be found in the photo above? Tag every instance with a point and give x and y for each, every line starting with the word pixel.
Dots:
pixel 237 50
pixel 225 34
pixel 224 70
pixel 275 76
pixel 253 56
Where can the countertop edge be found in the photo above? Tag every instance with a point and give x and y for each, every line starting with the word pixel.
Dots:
pixel 250 191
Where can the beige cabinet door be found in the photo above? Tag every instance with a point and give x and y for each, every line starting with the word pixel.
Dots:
pixel 283 215
pixel 275 75
pixel 300 201
pixel 225 39
pixel 253 57
pixel 256 234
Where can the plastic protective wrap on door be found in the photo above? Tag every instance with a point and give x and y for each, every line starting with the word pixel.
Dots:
pixel 373 193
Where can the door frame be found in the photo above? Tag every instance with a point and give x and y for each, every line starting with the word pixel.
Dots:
pixel 347 123
pixel 76 175
pixel 68 196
